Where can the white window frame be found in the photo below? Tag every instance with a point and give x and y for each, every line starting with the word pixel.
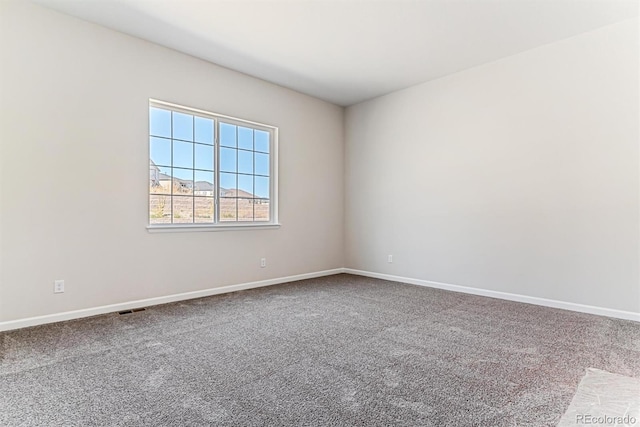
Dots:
pixel 221 225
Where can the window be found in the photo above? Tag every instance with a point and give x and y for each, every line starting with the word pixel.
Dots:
pixel 209 170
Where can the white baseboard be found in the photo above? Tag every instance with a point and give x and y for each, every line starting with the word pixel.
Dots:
pixel 76 314
pixel 600 311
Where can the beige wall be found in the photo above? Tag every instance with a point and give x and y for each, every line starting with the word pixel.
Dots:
pixel 519 176
pixel 74 170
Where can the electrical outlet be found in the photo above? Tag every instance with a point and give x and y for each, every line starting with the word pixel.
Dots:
pixel 390 258
pixel 58 286
pixel 263 262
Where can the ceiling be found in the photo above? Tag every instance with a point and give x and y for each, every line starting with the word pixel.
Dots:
pixel 347 51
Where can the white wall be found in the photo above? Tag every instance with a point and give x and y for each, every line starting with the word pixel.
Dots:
pixel 73 170
pixel 519 176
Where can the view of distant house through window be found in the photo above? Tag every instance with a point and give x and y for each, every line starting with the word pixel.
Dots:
pixel 208 169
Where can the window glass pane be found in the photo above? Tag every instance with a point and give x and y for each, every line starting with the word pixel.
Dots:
pixel 245 209
pixel 261 164
pixel 262 187
pixel 156 181
pixel 261 210
pixel 182 126
pixel 204 209
pixel 159 122
pixel 228 184
pixel 203 185
pixel 182 209
pixel 228 159
pixel 245 138
pixel 164 180
pixel 204 130
pixel 245 161
pixel 182 181
pixel 228 209
pixel 245 185
pixel 159 209
pixel 204 157
pixel 262 141
pixel 160 151
pixel 182 154
pixel 227 135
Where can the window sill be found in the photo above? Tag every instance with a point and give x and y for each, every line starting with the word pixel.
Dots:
pixel 185 228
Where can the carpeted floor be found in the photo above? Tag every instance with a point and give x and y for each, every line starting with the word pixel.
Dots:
pixel 603 398
pixel 339 350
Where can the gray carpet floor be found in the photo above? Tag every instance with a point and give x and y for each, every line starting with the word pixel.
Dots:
pixel 339 350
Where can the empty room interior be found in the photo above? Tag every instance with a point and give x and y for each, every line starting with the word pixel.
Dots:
pixel 375 213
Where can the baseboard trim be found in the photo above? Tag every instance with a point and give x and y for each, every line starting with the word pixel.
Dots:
pixel 600 311
pixel 77 314
pixel 87 312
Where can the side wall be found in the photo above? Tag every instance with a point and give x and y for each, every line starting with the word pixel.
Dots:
pixel 73 170
pixel 518 176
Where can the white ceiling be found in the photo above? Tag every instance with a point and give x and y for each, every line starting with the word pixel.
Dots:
pixel 347 51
